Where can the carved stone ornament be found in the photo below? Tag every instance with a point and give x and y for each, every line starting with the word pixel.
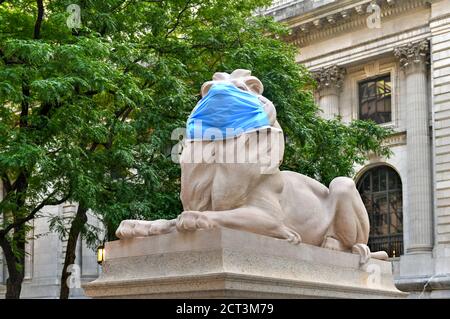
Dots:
pixel 331 77
pixel 413 53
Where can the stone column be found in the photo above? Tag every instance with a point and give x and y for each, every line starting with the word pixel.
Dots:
pixel 329 82
pixel 419 228
pixel 440 57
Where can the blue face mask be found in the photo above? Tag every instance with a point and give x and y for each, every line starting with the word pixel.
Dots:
pixel 225 112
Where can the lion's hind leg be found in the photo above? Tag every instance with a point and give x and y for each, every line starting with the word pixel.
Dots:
pixel 349 230
pixel 350 225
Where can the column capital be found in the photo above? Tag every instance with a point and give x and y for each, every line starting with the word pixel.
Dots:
pixel 329 78
pixel 413 54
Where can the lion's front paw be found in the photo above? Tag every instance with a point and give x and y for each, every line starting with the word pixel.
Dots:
pixel 190 220
pixel 160 226
pixel 144 228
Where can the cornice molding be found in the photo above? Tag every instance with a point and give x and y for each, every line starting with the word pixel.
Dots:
pixel 367 50
pixel 341 16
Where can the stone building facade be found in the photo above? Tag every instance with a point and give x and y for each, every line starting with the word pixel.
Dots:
pixel 389 61
pixel 45 254
pixel 385 60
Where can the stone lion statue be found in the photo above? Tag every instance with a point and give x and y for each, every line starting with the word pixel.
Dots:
pixel 253 194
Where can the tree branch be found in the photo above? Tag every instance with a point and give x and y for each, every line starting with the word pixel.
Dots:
pixel 45 202
pixel 126 114
pixel 40 16
pixel 9 62
pixel 119 6
pixel 54 151
pixel 6 183
pixel 24 105
pixel 20 182
pixel 186 6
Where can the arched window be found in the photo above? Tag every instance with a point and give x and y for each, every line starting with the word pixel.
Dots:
pixel 381 192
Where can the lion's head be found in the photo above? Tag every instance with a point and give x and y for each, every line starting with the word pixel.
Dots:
pixel 244 80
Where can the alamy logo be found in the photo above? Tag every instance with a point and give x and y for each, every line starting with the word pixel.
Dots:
pixel 74 280
pixel 74 19
pixel 374 19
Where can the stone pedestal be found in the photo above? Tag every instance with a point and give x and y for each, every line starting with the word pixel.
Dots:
pixel 2 291
pixel 224 263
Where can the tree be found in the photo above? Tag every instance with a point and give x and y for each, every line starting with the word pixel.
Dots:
pixel 87 113
pixel 64 134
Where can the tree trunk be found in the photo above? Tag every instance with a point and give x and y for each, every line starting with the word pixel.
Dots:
pixel 40 16
pixel 77 225
pixel 14 286
pixel 15 270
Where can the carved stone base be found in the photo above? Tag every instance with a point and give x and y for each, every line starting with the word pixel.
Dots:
pixel 225 263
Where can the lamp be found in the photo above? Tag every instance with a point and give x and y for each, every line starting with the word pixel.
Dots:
pixel 101 254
